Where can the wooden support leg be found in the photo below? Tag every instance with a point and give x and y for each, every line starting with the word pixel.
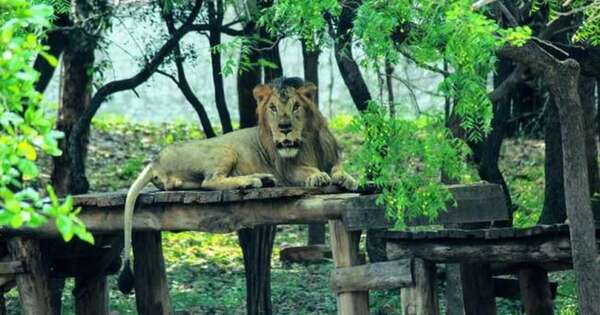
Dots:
pixel 257 247
pixel 422 298
pixel 454 294
pixel 34 289
pixel 151 289
pixel 91 296
pixel 344 245
pixel 478 289
pixel 535 291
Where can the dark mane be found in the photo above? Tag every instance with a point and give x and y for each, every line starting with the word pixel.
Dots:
pixel 281 85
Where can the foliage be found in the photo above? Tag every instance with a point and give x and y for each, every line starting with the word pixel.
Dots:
pixel 406 158
pixel 25 130
pixel 590 29
pixel 302 18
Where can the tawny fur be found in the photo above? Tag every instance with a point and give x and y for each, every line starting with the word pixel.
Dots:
pixel 251 158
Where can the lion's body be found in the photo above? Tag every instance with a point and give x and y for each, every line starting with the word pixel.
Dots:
pixel 290 146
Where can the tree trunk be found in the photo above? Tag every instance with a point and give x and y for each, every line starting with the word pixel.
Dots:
pixel 183 83
pixel 34 289
pixel 257 247
pixel 214 38
pixel 56 40
pixel 343 55
pixel 310 58
pixel 257 242
pixel 389 71
pixel 311 66
pixel 587 92
pixel 246 81
pixel 75 95
pixel 489 152
pixel 563 84
pixel 555 210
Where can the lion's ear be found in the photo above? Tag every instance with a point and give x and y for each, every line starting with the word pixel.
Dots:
pixel 261 92
pixel 308 90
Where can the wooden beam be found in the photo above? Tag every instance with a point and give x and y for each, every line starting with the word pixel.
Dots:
pixel 376 276
pixel 473 251
pixel 345 254
pixel 223 217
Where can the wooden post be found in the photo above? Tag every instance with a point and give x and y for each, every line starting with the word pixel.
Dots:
pixel 344 245
pixel 478 289
pixel 151 289
pixel 91 296
pixel 535 291
pixel 421 299
pixel 34 289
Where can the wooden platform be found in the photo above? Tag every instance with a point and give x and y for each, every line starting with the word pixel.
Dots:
pixel 229 211
pixel 539 244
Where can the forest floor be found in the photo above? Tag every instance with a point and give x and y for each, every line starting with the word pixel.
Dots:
pixel 205 271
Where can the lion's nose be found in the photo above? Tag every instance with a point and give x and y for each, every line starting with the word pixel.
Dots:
pixel 285 127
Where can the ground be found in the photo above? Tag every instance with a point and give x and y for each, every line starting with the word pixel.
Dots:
pixel 205 271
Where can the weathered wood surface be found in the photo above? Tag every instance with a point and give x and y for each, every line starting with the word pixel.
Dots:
pixel 309 253
pixel 539 244
pixel 536 294
pixel 33 285
pixel 421 299
pixel 209 217
pixel 11 268
pixel 478 289
pixel 375 276
pixel 229 211
pixel 150 278
pixel 91 296
pixel 346 254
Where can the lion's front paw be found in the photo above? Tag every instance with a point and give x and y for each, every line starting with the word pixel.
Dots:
pixel 317 180
pixel 345 180
pixel 267 180
pixel 250 182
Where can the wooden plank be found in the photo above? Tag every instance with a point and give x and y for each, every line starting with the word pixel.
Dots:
pixel 345 254
pixel 421 299
pixel 210 217
pixel 535 250
pixel 536 295
pixel 376 276
pixel 199 197
pixel 365 214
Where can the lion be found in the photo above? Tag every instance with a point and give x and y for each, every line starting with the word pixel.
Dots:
pixel 291 146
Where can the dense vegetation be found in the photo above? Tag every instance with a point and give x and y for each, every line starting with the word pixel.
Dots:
pixel 507 68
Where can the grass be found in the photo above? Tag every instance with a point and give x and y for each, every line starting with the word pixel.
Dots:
pixel 205 271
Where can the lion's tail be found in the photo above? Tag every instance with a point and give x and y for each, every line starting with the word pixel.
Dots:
pixel 134 191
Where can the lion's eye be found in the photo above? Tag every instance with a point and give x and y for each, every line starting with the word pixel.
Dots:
pixel 296 107
pixel 273 108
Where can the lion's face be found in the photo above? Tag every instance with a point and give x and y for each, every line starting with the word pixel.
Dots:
pixel 284 111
